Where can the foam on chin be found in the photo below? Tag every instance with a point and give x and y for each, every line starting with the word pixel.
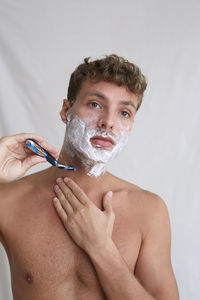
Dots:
pixel 78 135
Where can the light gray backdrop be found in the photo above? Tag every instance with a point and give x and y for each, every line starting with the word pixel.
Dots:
pixel 42 42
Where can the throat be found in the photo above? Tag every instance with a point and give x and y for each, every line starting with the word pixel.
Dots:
pixel 91 166
pixel 96 169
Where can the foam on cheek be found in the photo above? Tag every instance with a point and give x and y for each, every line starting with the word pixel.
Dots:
pixel 79 133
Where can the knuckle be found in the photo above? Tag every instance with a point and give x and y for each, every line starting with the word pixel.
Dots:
pixel 112 215
pixel 70 183
pixel 67 195
pixel 65 222
pixel 79 193
pixel 82 211
pixel 78 212
pixel 70 220
pixel 60 194
pixel 88 205
pixel 63 202
pixel 75 213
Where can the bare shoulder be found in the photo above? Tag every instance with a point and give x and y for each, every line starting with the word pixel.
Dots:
pixel 136 193
pixel 9 191
pixel 11 195
pixel 15 189
pixel 144 203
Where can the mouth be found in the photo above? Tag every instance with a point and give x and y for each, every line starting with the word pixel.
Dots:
pixel 105 142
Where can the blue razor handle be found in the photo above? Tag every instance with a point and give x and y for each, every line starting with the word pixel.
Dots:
pixel 37 149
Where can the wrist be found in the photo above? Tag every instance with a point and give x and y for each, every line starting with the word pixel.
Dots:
pixel 107 250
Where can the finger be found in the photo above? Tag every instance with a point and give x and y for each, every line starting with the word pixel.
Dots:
pixel 75 203
pixel 53 150
pixel 22 137
pixel 107 202
pixel 61 212
pixel 63 200
pixel 77 191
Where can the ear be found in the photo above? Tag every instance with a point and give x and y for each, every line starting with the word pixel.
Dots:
pixel 64 111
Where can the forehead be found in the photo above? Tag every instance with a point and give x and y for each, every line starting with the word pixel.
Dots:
pixel 109 90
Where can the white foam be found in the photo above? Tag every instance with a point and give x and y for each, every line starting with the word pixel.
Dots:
pixel 77 142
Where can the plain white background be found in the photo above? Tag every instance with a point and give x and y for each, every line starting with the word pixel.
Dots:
pixel 42 42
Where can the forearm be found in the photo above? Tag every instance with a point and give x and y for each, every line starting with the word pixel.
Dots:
pixel 115 277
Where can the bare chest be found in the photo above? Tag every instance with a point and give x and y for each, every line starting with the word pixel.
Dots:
pixel 41 251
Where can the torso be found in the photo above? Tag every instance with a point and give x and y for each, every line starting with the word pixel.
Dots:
pixel 45 262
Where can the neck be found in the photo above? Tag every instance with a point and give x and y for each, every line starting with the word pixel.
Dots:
pixel 80 176
pixel 94 187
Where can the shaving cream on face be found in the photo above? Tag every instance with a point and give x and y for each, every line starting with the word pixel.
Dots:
pixel 94 159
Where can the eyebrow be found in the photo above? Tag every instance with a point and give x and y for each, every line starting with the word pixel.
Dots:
pixel 103 97
pixel 128 103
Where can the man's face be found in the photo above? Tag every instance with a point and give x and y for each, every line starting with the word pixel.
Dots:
pixel 107 107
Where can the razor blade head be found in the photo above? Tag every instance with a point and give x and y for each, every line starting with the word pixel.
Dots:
pixel 37 149
pixel 66 167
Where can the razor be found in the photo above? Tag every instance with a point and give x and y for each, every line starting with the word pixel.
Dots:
pixel 37 149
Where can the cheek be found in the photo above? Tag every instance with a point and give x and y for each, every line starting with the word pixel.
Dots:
pixel 89 117
pixel 90 122
pixel 124 128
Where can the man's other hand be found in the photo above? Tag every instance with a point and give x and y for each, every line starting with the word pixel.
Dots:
pixel 89 227
pixel 15 157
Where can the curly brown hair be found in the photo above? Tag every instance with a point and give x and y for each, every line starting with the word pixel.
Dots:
pixel 112 68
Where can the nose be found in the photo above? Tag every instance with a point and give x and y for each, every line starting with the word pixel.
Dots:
pixel 106 122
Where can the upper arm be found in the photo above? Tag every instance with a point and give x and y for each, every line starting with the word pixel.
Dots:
pixel 1 210
pixel 153 269
pixel 4 207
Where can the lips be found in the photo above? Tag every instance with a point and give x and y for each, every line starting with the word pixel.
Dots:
pixel 106 142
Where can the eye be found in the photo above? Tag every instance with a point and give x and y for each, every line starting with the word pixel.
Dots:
pixel 125 114
pixel 94 105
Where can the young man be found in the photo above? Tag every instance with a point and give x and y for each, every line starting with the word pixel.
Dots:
pixel 100 237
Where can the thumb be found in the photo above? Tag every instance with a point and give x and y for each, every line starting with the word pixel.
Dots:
pixel 107 203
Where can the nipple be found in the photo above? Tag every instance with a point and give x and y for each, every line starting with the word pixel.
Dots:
pixel 29 278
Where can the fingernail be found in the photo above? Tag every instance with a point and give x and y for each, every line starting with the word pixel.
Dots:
pixel 55 199
pixel 110 194
pixel 59 180
pixel 56 187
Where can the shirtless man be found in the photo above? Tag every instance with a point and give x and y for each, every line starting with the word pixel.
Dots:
pixel 88 235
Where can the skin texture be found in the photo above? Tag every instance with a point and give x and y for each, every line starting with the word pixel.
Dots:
pixel 84 250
